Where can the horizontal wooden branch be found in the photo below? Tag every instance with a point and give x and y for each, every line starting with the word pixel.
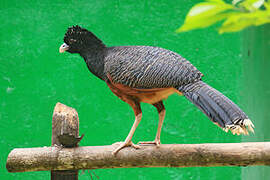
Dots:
pixel 167 155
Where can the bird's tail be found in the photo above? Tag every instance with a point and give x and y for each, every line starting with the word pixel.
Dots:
pixel 221 110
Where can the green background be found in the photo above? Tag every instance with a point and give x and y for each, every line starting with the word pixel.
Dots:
pixel 34 77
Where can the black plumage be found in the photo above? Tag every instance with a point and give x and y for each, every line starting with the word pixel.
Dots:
pixel 150 74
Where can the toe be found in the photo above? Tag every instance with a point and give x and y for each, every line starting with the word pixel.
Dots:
pixel 118 143
pixel 123 145
pixel 147 142
pixel 135 145
pixel 157 143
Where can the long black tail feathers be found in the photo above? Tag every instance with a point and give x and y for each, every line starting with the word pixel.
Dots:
pixel 221 110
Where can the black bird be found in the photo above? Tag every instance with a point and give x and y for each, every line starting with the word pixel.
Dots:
pixel 149 74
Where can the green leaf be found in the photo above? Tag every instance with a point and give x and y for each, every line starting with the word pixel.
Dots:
pixel 267 5
pixel 216 1
pixel 234 23
pixel 251 5
pixel 205 14
pixel 234 2
pixel 242 14
pixel 257 4
pixel 240 21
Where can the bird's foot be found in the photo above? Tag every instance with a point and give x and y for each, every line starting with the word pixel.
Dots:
pixel 123 145
pixel 155 142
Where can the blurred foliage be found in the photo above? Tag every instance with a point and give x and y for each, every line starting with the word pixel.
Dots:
pixel 235 16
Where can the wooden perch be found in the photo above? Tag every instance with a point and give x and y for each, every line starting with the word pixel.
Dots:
pixel 174 155
pixel 65 159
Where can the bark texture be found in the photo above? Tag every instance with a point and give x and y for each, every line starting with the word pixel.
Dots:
pixel 65 133
pixel 167 155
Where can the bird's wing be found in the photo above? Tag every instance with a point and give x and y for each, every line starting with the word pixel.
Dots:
pixel 148 67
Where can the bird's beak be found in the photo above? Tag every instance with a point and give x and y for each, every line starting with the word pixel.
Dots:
pixel 63 48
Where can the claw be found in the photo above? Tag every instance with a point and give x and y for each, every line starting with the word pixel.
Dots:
pixel 123 145
pixel 155 142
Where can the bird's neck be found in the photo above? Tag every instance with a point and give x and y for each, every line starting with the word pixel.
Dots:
pixel 94 59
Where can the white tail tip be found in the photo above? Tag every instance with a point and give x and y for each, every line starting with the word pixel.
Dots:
pixel 246 126
pixel 249 124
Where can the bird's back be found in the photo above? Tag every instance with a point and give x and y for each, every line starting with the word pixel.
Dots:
pixel 148 67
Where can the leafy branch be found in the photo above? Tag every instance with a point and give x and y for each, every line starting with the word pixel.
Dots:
pixel 235 16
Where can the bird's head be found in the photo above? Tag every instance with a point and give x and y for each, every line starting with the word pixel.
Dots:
pixel 78 39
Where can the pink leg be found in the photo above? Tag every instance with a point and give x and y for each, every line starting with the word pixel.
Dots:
pixel 161 112
pixel 138 116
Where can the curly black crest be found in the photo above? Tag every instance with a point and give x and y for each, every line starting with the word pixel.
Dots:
pixel 79 38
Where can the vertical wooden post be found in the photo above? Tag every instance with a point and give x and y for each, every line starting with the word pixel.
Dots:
pixel 255 93
pixel 65 133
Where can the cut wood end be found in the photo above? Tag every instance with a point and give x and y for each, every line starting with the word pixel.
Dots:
pixel 66 111
pixel 65 120
pixel 60 108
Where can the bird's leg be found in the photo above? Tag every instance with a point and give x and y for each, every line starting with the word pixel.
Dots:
pixel 138 116
pixel 161 119
pixel 128 141
pixel 161 112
